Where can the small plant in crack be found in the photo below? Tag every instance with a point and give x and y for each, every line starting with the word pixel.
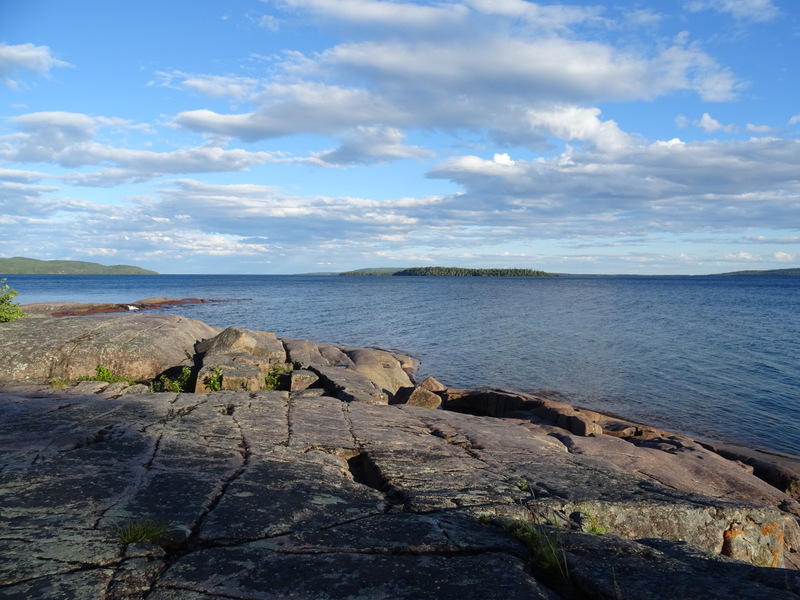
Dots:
pixel 214 380
pixel 146 530
pixel 105 374
pixel 591 524
pixel 276 378
pixel 179 385
pixel 59 383
pixel 547 555
pixel 523 485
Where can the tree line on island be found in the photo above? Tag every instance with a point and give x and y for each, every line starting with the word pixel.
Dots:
pixel 20 265
pixel 451 272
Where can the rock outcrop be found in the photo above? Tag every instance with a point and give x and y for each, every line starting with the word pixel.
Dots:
pixel 137 346
pixel 324 490
pixel 276 494
pixel 63 309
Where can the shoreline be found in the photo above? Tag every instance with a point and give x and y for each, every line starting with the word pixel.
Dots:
pixel 740 451
pixel 279 449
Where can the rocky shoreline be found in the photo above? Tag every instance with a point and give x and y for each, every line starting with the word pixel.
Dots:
pixel 345 482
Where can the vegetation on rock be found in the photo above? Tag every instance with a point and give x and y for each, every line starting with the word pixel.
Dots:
pixel 139 531
pixel 9 310
pixel 167 384
pixel 105 374
pixel 547 555
pixel 276 378
pixel 214 381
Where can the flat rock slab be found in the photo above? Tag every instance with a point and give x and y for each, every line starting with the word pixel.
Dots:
pixel 137 346
pixel 292 495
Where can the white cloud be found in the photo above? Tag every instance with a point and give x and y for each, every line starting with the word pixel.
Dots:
pixel 742 256
pixel 574 123
pixel 37 59
pixel 743 10
pixel 367 145
pixel 784 257
pixel 759 128
pixel 554 17
pixel 304 107
pixel 710 125
pixel 213 86
pixel 383 13
pixel 493 84
pixel 666 187
pixel 794 120
pixel 66 139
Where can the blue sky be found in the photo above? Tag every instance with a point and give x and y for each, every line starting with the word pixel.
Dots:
pixel 288 136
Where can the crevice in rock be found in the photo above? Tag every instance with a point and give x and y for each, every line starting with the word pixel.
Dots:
pixel 156 445
pixel 365 472
pixel 225 483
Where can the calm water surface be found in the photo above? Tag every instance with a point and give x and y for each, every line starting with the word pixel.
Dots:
pixel 716 358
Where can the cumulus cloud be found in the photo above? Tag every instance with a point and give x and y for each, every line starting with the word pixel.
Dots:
pixel 710 125
pixel 784 257
pixel 287 109
pixel 67 139
pixel 28 57
pixel 516 89
pixel 657 187
pixel 367 145
pixel 753 128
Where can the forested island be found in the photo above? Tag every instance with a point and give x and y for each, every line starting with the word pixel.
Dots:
pixel 451 272
pixel 31 266
pixel 795 272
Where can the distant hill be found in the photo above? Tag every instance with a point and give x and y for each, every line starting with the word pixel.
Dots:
pixel 449 272
pixel 30 266
pixel 373 271
pixel 460 272
pixel 772 272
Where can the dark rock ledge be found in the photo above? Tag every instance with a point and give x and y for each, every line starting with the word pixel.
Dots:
pixel 346 485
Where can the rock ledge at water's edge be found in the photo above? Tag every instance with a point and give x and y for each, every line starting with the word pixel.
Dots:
pixel 347 485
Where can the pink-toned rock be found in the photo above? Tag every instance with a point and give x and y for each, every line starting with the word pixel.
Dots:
pixel 138 346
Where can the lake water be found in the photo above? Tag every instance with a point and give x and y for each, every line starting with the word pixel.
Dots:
pixel 712 357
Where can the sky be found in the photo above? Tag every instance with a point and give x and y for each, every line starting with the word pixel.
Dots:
pixel 296 136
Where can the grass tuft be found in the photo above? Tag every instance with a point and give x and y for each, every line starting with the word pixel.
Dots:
pixel 139 531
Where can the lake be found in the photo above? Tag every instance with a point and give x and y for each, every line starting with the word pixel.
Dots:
pixel 712 357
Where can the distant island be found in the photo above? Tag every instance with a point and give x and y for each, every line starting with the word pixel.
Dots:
pixel 31 266
pixel 450 272
pixel 772 272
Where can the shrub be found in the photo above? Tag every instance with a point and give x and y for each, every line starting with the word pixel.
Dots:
pixel 9 310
